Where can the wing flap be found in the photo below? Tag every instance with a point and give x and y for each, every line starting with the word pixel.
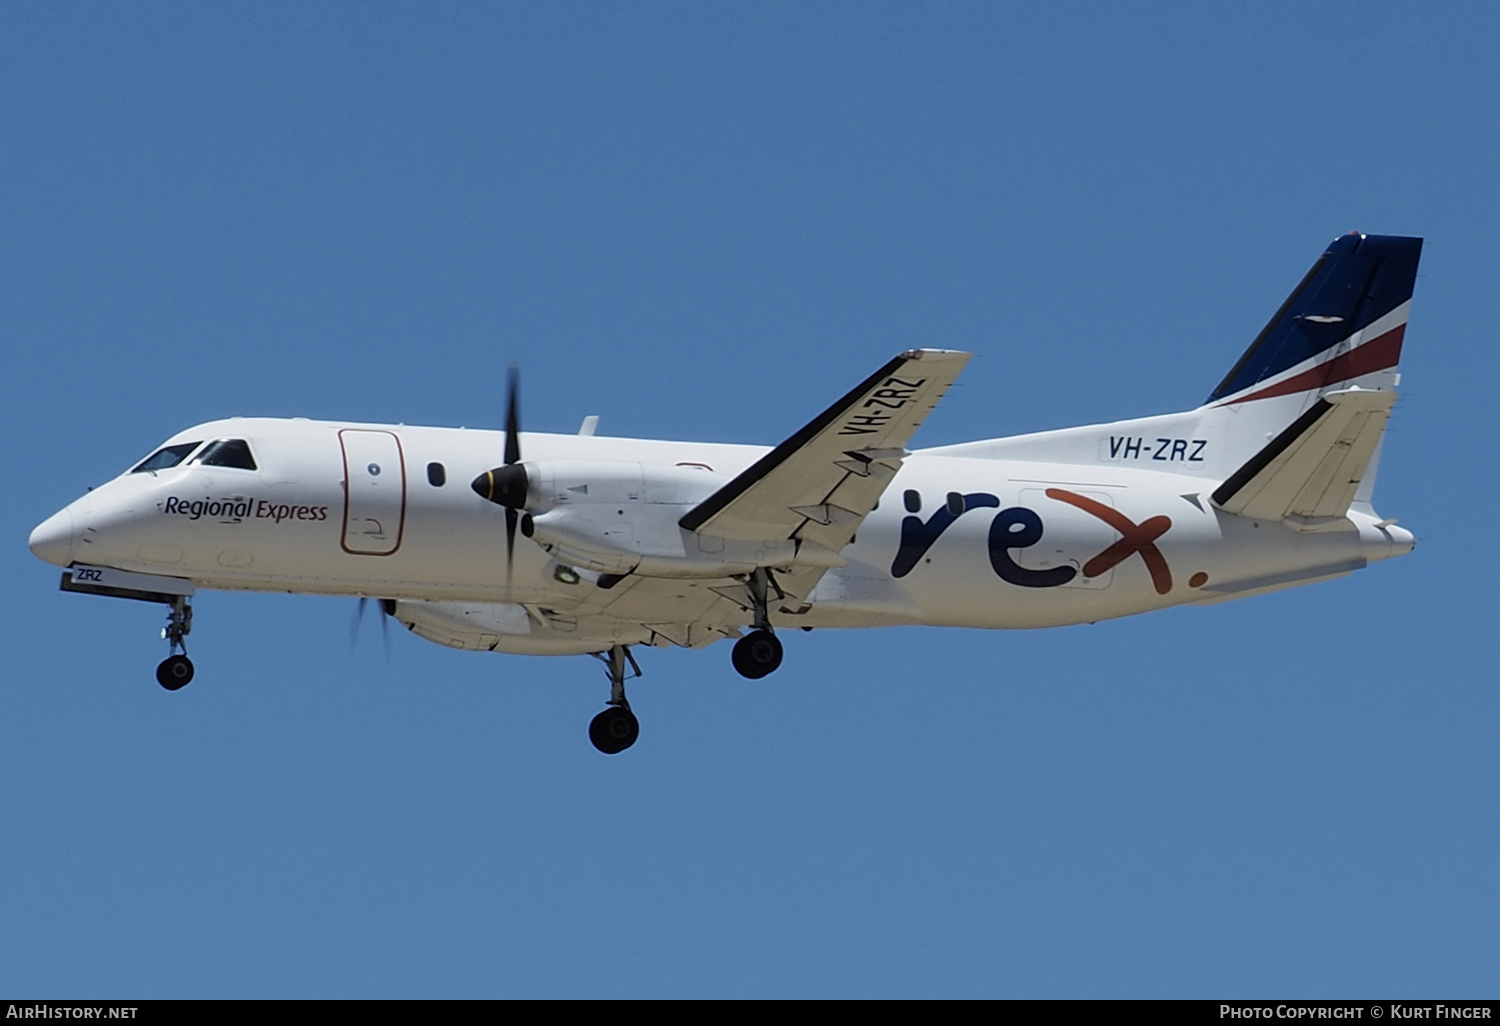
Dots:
pixel 819 484
pixel 1308 474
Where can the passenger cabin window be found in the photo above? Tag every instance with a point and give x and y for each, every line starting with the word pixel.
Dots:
pixel 164 459
pixel 227 452
pixel 436 475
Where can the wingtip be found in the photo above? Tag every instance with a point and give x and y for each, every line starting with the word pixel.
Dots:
pixel 935 354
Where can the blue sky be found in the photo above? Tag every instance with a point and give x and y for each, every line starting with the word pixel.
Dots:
pixel 707 221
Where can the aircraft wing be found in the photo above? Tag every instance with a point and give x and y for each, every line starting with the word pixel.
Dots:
pixel 819 484
pixel 1308 474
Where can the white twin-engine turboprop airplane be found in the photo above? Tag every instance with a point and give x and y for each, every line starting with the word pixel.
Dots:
pixel 632 542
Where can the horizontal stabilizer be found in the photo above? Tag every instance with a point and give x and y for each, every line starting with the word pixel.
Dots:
pixel 1308 474
pixel 819 484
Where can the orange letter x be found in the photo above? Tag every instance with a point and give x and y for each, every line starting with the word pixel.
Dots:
pixel 1133 538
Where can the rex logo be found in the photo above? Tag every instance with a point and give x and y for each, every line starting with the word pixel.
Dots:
pixel 1017 527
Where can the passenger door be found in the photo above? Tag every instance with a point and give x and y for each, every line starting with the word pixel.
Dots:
pixel 374 492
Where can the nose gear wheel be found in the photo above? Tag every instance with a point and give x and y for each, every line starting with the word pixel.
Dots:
pixel 176 670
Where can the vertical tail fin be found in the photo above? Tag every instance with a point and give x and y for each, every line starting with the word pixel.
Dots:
pixel 1342 326
pixel 1339 331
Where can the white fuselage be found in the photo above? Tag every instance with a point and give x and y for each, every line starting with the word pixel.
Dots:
pixel 352 509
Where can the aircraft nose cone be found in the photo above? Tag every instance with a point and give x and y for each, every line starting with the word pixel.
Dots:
pixel 52 541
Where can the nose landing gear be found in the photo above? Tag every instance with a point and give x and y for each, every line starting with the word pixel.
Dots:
pixel 176 670
pixel 616 728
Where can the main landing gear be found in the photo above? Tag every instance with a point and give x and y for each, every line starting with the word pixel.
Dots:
pixel 176 670
pixel 616 728
pixel 759 652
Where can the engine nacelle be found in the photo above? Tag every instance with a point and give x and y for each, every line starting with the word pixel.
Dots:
pixel 618 539
pixel 619 517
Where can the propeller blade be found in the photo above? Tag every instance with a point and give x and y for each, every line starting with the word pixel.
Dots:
pixel 387 609
pixel 354 622
pixel 511 516
pixel 513 416
pixel 512 457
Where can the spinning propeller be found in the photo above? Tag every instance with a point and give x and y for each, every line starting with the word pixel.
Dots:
pixel 506 485
pixel 387 610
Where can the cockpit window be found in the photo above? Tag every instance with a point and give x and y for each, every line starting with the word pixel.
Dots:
pixel 227 452
pixel 164 459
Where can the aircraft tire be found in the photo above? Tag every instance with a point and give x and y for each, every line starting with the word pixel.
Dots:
pixel 757 654
pixel 174 672
pixel 614 730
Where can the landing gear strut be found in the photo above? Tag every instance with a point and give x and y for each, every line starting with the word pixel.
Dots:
pixel 759 652
pixel 176 670
pixel 616 728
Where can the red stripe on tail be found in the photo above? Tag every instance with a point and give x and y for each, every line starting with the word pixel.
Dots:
pixel 1375 355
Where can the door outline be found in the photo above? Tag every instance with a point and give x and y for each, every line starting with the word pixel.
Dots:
pixel 401 460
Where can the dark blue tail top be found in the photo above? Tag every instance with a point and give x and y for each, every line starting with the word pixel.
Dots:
pixel 1357 281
